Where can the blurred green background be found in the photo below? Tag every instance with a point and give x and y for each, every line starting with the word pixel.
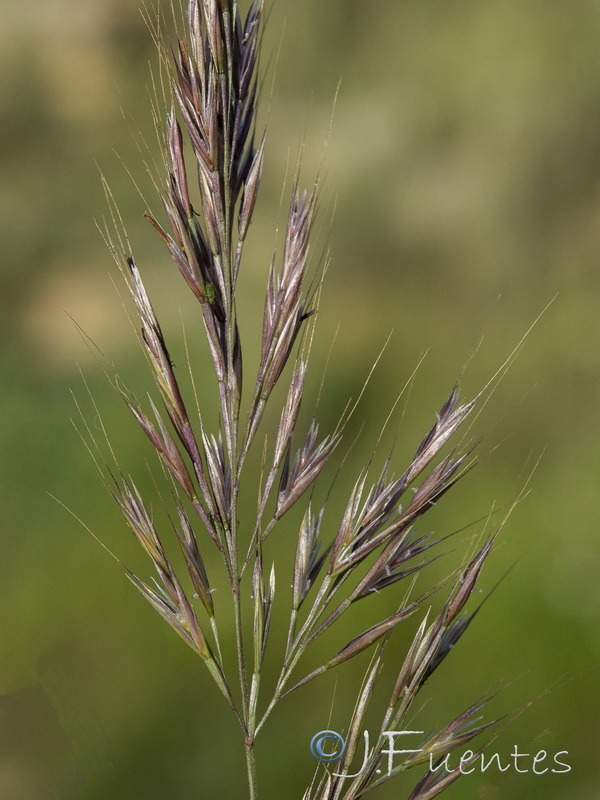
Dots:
pixel 464 164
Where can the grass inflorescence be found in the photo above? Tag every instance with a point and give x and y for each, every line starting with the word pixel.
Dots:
pixel 208 182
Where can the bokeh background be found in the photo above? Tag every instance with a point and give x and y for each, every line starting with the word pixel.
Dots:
pixel 464 166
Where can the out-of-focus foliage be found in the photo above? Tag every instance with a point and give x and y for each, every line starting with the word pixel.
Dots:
pixel 465 165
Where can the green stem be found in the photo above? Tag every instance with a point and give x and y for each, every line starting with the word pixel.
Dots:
pixel 295 649
pixel 248 703
pixel 251 769
pixel 250 756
